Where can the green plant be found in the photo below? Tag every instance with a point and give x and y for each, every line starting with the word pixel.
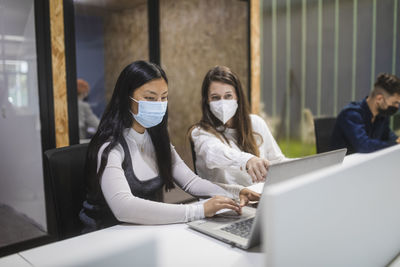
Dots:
pixel 295 148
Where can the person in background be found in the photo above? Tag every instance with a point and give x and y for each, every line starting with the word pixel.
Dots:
pixel 232 146
pixel 130 160
pixel 88 121
pixel 364 126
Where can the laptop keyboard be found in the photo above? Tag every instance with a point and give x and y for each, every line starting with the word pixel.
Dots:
pixel 241 228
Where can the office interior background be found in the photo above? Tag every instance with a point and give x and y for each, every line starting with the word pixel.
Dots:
pixel 314 58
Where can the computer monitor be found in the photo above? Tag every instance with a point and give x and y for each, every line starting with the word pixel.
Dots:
pixel 340 216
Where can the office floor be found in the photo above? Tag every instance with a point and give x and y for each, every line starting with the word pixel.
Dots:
pixel 15 227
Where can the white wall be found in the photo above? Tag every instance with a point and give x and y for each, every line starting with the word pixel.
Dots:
pixel 21 171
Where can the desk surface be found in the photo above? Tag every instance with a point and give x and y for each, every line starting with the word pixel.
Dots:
pixel 14 260
pixel 164 245
pixel 167 245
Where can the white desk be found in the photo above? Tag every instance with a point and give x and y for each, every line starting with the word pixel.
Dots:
pixel 167 245
pixel 13 260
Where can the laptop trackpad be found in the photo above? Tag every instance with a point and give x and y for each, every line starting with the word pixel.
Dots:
pixel 227 215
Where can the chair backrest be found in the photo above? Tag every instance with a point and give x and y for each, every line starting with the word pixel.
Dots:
pixel 323 131
pixel 65 173
pixel 193 155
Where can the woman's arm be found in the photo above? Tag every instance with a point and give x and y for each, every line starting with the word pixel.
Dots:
pixel 217 154
pixel 196 186
pixel 131 209
pixel 128 208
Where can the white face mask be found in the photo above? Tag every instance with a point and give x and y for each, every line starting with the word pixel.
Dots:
pixel 223 109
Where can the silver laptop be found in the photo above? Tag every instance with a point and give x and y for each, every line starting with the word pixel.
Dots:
pixel 294 167
pixel 244 231
pixel 344 216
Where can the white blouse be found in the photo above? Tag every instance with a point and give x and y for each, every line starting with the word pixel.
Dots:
pixel 226 163
pixel 128 208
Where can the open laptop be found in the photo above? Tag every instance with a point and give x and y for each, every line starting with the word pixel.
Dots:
pixel 344 216
pixel 244 230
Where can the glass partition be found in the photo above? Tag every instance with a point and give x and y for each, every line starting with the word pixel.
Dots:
pixel 22 205
pixel 108 36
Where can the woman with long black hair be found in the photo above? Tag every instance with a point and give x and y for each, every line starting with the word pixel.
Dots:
pixel 130 160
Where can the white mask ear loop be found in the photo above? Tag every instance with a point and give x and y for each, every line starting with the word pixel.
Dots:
pixel 133 114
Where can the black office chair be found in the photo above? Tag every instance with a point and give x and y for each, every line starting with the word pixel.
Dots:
pixel 323 128
pixel 65 180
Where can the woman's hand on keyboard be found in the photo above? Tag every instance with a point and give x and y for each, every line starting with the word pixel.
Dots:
pixel 217 203
pixel 247 195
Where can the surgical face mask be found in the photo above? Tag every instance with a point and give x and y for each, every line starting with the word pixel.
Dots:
pixel 150 113
pixel 389 111
pixel 223 109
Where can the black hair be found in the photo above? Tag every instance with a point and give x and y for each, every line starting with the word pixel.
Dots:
pixel 117 118
pixel 387 82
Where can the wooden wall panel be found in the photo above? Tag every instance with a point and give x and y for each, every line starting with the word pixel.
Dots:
pixel 195 36
pixel 59 72
pixel 255 55
pixel 126 39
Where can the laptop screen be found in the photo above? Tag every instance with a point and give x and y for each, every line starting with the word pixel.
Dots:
pixel 342 216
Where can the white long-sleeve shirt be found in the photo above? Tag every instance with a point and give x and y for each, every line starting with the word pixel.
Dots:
pixel 226 163
pixel 128 208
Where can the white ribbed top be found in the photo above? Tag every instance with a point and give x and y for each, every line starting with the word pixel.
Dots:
pixel 129 208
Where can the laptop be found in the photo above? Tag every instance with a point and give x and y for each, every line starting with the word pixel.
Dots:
pixel 344 216
pixel 243 231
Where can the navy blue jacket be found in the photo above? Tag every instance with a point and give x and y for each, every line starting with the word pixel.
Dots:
pixel 355 131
